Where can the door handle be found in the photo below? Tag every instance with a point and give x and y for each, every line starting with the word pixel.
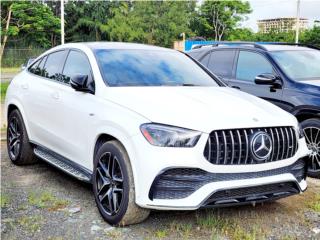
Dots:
pixel 236 87
pixel 24 86
pixel 55 95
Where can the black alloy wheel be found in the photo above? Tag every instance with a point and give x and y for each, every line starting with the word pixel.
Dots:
pixel 113 185
pixel 20 150
pixel 14 138
pixel 109 182
pixel 312 135
pixel 311 130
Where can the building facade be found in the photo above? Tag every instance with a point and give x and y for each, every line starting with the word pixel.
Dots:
pixel 281 24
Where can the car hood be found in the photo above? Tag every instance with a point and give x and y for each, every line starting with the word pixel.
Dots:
pixel 200 108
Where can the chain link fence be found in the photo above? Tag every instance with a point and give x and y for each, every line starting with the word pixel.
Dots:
pixel 15 57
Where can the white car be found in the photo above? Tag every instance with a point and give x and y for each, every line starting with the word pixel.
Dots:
pixel 151 129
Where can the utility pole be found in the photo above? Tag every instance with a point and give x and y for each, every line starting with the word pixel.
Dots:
pixel 298 21
pixel 62 21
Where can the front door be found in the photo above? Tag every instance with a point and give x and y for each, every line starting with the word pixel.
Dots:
pixel 72 110
pixel 249 65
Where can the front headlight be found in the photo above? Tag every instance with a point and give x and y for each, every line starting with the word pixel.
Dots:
pixel 168 136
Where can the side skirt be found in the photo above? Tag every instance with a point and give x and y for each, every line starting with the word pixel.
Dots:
pixel 64 164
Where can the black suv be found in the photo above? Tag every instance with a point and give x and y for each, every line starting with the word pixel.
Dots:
pixel 287 75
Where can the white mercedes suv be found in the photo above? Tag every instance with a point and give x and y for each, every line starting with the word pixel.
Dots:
pixel 151 129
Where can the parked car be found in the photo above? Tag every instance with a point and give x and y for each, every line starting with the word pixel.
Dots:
pixel 151 128
pixel 27 63
pixel 286 75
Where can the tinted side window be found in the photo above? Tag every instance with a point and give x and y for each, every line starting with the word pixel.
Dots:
pixel 39 70
pixel 221 62
pixel 195 55
pixel 205 60
pixel 77 63
pixel 54 64
pixel 33 68
pixel 250 65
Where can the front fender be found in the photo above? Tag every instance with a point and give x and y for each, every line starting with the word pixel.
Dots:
pixel 121 135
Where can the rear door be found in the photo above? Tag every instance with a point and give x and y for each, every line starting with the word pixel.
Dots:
pixel 248 65
pixel 41 97
pixel 220 62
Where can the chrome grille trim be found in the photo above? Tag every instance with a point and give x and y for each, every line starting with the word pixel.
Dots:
pixel 278 142
pixel 288 151
pixel 284 144
pixel 209 143
pixel 232 146
pixel 218 148
pixel 247 147
pixel 272 153
pixel 225 147
pixel 240 146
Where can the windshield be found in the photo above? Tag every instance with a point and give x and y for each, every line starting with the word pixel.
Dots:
pixel 299 65
pixel 150 68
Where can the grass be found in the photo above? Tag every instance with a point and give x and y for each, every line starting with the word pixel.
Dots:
pixel 161 233
pixel 46 200
pixel 239 233
pixel 31 223
pixel 211 221
pixel 220 226
pixel 3 90
pixel 214 225
pixel 10 70
pixel 183 229
pixel 315 203
pixel 113 234
pixel 5 199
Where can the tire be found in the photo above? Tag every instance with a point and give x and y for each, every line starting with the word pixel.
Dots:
pixel 311 129
pixel 20 150
pixel 115 187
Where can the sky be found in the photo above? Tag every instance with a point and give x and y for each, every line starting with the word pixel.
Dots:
pixel 264 9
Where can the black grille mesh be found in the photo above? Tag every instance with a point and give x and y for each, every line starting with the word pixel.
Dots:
pixel 179 183
pixel 249 194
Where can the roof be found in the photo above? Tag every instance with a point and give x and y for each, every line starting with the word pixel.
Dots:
pixel 275 47
pixel 123 45
pixel 251 45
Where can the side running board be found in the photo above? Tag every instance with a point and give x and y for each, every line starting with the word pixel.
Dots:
pixel 64 164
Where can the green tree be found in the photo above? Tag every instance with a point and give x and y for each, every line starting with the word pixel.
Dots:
pixel 86 20
pixel 163 21
pixel 275 36
pixel 241 34
pixel 311 36
pixel 154 22
pixel 122 25
pixel 32 20
pixel 217 18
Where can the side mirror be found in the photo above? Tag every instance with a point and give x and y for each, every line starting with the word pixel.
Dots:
pixel 81 83
pixel 265 79
pixel 23 66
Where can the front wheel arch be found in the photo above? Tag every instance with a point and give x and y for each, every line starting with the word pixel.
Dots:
pixel 103 138
pixel 303 113
pixel 11 107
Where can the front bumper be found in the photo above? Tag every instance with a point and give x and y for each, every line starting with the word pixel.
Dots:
pixel 154 161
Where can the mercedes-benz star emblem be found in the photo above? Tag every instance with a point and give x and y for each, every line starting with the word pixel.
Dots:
pixel 261 146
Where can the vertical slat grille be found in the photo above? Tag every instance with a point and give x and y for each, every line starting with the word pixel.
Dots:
pixel 231 147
